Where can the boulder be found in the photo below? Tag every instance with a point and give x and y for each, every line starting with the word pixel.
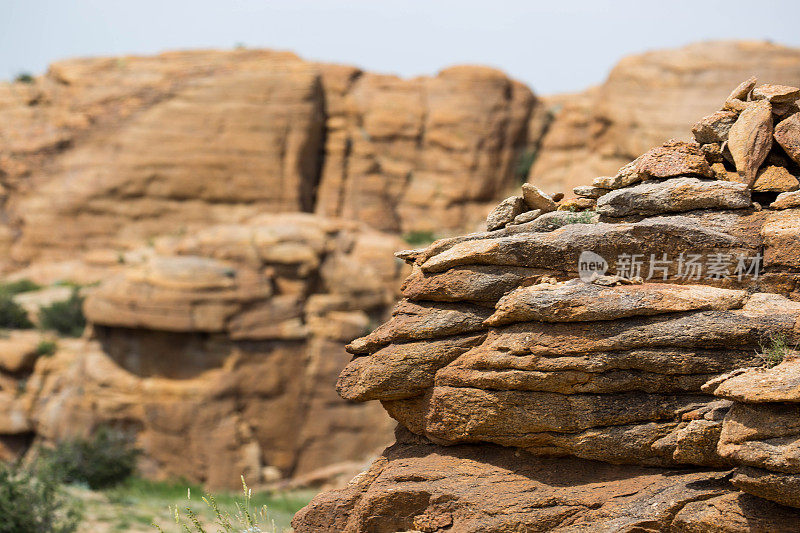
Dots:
pixel 505 213
pixel 714 128
pixel 536 199
pixel 750 139
pixel 776 94
pixel 775 179
pixel 787 134
pixel 674 195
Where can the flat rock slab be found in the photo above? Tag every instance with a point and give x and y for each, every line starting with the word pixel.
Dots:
pixel 674 196
pixel 780 488
pixel 761 385
pixel 787 200
pixel 578 301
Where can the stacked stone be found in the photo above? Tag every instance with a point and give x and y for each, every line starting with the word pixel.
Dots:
pixel 498 342
pixel 750 146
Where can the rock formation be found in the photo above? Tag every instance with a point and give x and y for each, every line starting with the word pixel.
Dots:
pixel 218 352
pixel 130 148
pixel 647 99
pixel 614 371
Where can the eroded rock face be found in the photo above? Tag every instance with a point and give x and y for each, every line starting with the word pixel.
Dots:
pixel 593 341
pixel 106 153
pixel 218 352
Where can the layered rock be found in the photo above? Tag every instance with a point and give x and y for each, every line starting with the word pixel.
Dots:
pixel 107 152
pixel 592 344
pixel 218 352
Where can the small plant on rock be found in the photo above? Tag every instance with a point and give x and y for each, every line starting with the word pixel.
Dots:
pixel 775 350
pixel 46 347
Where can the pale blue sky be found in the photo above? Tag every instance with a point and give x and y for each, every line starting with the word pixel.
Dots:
pixel 553 46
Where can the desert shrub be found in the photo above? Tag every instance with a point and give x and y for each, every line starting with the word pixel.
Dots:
pixel 419 238
pixel 46 347
pixel 101 461
pixel 12 315
pixel 18 286
pixel 24 77
pixel 34 503
pixel 775 350
pixel 65 317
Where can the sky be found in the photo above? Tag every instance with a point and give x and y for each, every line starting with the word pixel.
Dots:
pixel 553 46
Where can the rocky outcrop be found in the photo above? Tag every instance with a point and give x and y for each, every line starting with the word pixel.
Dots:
pixel 218 352
pixel 108 152
pixel 590 351
pixel 647 99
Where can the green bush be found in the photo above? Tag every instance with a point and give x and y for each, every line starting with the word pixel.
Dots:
pixel 12 315
pixel 419 238
pixel 19 286
pixel 525 161
pixel 32 503
pixel 104 460
pixel 24 77
pixel 46 347
pixel 65 317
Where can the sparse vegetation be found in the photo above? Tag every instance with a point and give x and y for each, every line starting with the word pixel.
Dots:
pixel 46 348
pixel 65 317
pixel 30 502
pixel 24 77
pixel 582 217
pixel 18 286
pixel 12 315
pixel 419 238
pixel 244 519
pixel 775 350
pixel 106 459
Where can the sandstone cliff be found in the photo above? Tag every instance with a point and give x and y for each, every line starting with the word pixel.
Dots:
pixel 535 370
pixel 109 152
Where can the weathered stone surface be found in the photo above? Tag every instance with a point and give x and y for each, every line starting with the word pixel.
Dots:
pixel 577 302
pixel 588 191
pixel 400 370
pixel 786 200
pixel 416 321
pixel 505 212
pixel 527 216
pixel 478 284
pixel 536 199
pixel 577 204
pixel 417 486
pixel 714 128
pixel 776 94
pixel 743 90
pixel 690 234
pixel 780 488
pixel 775 179
pixel 674 195
pixel 750 139
pixel 674 158
pixel 762 385
pixel 787 134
